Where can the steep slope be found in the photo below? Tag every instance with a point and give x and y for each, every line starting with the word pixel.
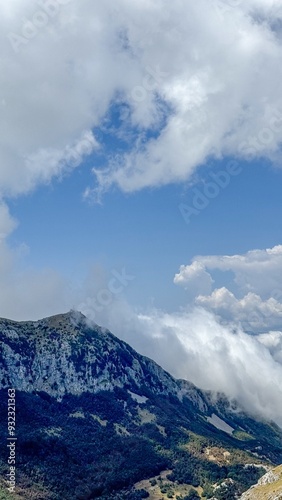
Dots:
pixel 63 354
pixel 269 487
pixel 90 406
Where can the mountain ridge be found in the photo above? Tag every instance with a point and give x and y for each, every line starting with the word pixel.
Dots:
pixel 64 329
pixel 71 374
pixel 67 353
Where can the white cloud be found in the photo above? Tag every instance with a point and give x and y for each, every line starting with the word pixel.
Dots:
pixel 194 346
pixel 55 86
pixel 195 278
pixel 258 271
pixel 216 72
pixel 255 301
pixel 217 101
pixel 273 341
pixel 251 311
pixel 7 223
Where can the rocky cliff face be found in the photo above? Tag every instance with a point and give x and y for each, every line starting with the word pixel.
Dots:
pixel 65 354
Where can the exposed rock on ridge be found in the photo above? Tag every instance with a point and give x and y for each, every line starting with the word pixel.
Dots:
pixel 65 354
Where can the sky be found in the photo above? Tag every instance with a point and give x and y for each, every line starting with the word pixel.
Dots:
pixel 140 180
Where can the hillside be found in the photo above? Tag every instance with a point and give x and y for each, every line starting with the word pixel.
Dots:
pixel 91 408
pixel 269 487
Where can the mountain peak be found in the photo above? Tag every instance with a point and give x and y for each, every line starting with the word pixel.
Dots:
pixel 81 380
pixel 56 319
pixel 65 353
pixel 72 316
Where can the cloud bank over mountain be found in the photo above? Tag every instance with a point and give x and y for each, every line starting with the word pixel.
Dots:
pixel 195 346
pixel 222 341
pixel 189 81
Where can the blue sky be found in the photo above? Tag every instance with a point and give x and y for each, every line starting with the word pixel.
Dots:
pixel 116 119
pixel 145 231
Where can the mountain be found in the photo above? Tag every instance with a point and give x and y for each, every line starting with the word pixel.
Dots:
pixel 63 354
pixel 95 419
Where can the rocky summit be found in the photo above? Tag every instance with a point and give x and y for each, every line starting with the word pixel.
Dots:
pixel 67 354
pixel 89 407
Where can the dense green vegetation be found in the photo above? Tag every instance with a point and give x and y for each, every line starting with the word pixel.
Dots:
pixel 102 444
pixel 52 446
pixel 190 469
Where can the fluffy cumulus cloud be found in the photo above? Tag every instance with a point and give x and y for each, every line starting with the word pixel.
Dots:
pixel 251 311
pixel 204 77
pixel 256 271
pixel 256 302
pixel 217 105
pixel 195 279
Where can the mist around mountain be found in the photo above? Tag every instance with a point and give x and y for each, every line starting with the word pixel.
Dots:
pixel 95 419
